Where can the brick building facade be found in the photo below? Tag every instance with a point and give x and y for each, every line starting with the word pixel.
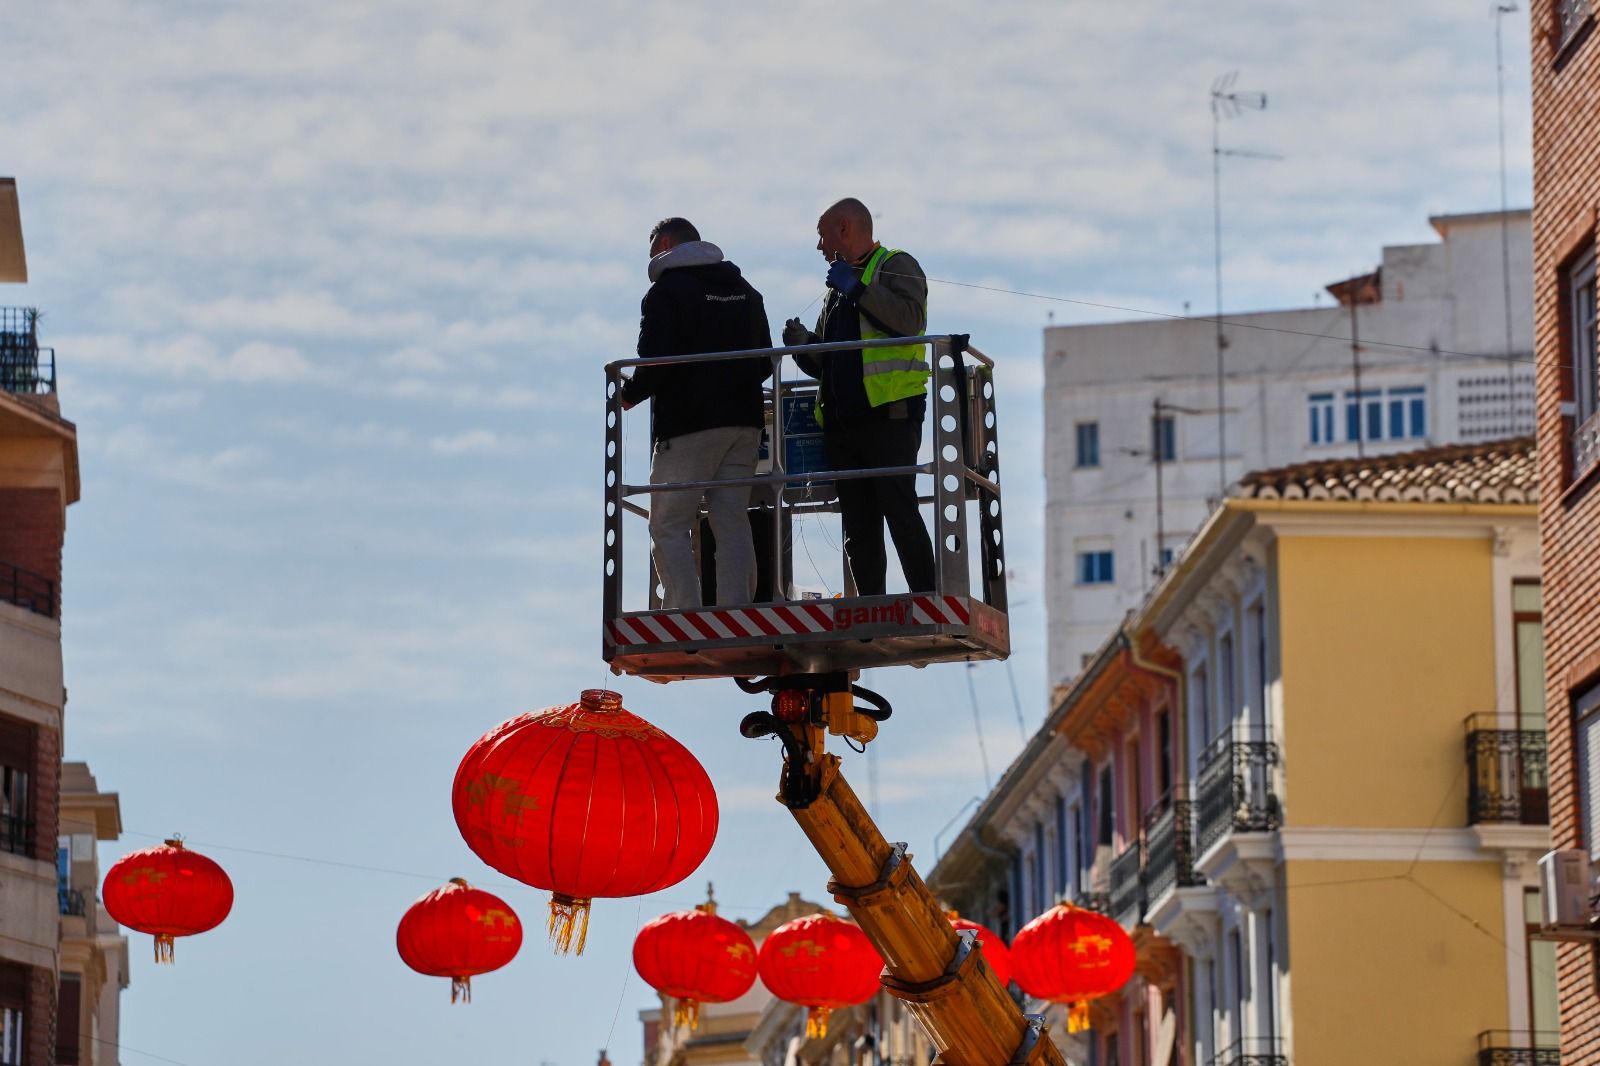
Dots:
pixel 1566 151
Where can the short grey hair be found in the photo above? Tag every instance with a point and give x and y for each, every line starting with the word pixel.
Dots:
pixel 853 210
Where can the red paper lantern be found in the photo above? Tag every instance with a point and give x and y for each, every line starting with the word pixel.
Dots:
pixel 585 800
pixel 821 963
pixel 995 952
pixel 1071 955
pixel 458 932
pixel 168 891
pixel 695 957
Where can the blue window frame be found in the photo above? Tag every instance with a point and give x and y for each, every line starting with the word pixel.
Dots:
pixel 1408 412
pixel 1163 439
pixel 1088 453
pixel 1096 568
pixel 1320 405
pixel 1383 414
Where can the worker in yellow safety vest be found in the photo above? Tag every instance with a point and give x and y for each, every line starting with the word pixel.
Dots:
pixel 872 401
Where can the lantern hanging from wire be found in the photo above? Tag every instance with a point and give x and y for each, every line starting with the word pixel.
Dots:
pixel 168 891
pixel 1071 955
pixel 821 963
pixel 458 932
pixel 585 800
pixel 695 957
pixel 995 952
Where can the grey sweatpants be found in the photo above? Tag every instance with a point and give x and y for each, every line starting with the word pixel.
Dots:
pixel 711 454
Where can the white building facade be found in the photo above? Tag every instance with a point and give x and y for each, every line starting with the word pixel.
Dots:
pixel 1430 364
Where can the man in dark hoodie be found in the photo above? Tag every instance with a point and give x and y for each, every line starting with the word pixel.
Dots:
pixel 706 418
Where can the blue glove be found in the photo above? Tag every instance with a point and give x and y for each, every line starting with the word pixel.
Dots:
pixel 842 277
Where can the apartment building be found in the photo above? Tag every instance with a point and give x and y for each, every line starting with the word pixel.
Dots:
pixel 1308 776
pixel 1137 453
pixel 1565 60
pixel 62 962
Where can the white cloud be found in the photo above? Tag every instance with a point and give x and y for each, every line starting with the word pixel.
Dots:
pixel 467 442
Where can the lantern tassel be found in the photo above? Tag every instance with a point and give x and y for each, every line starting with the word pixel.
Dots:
pixel 461 988
pixel 569 915
pixel 164 948
pixel 687 1012
pixel 817 1021
pixel 1078 1016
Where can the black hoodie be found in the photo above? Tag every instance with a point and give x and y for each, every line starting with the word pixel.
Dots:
pixel 700 303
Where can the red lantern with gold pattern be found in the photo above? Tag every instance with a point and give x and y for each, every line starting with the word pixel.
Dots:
pixel 1071 955
pixel 995 952
pixel 585 800
pixel 168 891
pixel 458 932
pixel 822 963
pixel 695 957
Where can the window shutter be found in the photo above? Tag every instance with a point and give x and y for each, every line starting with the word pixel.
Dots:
pixel 1587 707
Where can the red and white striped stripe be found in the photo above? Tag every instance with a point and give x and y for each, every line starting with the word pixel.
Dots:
pixel 801 617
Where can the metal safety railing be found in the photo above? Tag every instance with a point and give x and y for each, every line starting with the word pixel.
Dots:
pixel 965 465
pixel 25 368
pixel 1169 834
pixel 1507 774
pixel 1236 789
pixel 25 589
pixel 1127 884
pixel 1519 1047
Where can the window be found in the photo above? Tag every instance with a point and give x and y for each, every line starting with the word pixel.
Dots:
pixel 68 1019
pixel 1586 709
pixel 1088 444
pixel 1580 297
pixel 1571 15
pixel 16 756
pixel 1408 413
pixel 1096 568
pixel 1200 689
pixel 1041 893
pixel 1399 413
pixel 1528 638
pixel 1541 956
pixel 1104 811
pixel 1227 693
pixel 1163 439
pixel 1258 627
pixel 1063 849
pixel 1321 412
pixel 1135 802
pixel 13 1023
pixel 1164 755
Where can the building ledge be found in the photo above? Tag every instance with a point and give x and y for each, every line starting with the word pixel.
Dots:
pixel 1245 864
pixel 1507 836
pixel 1187 916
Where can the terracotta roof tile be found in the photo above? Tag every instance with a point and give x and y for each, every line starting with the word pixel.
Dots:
pixel 1501 471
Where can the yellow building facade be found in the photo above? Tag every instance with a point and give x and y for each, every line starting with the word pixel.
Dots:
pixel 1369 785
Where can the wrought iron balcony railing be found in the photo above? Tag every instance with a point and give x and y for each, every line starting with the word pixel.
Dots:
pixel 1502 1047
pixel 1170 849
pixel 1236 789
pixel 1507 776
pixel 1099 902
pixel 72 901
pixel 16 835
pixel 25 368
pixel 30 591
pixel 1246 1052
pixel 1127 885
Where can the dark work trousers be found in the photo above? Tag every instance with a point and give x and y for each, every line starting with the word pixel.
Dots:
pixel 866 504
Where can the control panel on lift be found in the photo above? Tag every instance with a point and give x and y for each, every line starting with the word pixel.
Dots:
pixel 786 631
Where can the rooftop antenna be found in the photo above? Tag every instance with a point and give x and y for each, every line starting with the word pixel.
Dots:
pixel 1226 102
pixel 1500 10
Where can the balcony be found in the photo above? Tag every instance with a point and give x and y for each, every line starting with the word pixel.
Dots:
pixel 1170 851
pixel 71 901
pixel 30 591
pixel 25 368
pixel 1251 1053
pixel 1500 1047
pixel 1236 793
pixel 16 835
pixel 1507 779
pixel 1127 885
pixel 1099 902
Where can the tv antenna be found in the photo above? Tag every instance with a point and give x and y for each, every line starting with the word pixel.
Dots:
pixel 1500 10
pixel 1226 102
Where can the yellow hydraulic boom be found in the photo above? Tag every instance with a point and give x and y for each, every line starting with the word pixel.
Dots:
pixel 938 973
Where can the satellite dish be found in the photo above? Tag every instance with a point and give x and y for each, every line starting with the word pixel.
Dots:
pixel 1166 1039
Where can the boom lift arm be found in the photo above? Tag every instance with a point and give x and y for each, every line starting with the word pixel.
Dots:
pixel 938 973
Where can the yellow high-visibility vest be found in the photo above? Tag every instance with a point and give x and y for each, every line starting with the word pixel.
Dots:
pixel 896 372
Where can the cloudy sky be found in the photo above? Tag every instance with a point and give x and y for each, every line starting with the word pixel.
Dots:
pixel 330 286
